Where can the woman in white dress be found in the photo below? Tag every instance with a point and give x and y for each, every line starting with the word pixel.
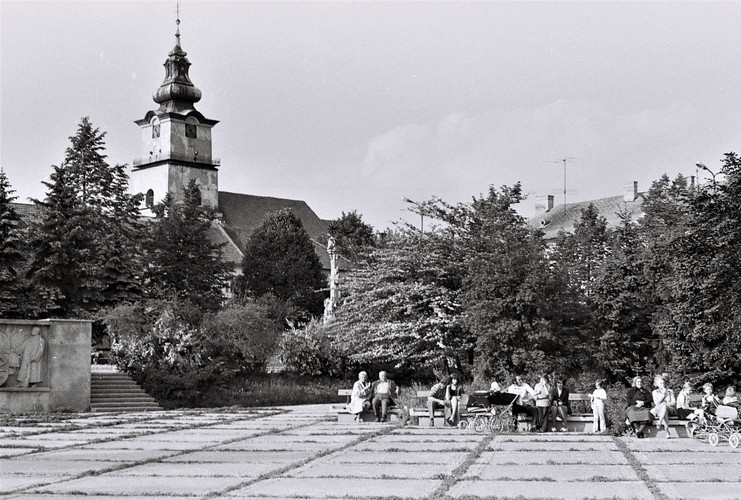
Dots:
pixel 361 391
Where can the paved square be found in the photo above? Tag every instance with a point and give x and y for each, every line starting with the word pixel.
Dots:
pixel 301 452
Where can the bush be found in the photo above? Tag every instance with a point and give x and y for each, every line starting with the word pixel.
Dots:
pixel 308 351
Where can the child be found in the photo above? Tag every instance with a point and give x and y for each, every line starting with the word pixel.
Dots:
pixel 598 398
pixel 731 399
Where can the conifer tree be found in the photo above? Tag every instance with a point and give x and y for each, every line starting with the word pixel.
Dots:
pixel 181 260
pixel 11 253
pixel 86 241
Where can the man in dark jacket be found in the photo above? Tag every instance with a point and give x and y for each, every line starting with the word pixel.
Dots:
pixel 559 404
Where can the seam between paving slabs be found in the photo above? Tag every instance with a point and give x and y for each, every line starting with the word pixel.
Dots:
pixel 449 480
pixel 127 465
pixel 300 463
pixel 639 469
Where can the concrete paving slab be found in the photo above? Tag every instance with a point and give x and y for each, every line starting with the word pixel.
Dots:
pixel 212 469
pixel 673 445
pixel 551 489
pixel 295 446
pixel 242 457
pixel 52 468
pixel 340 487
pixel 105 455
pixel 555 472
pixel 664 457
pixel 553 458
pixel 567 446
pixel 62 437
pixel 139 444
pixel 10 483
pixel 402 457
pixel 415 446
pixel 18 430
pixel 141 485
pixel 554 436
pixel 415 438
pixel 52 496
pixel 702 491
pixel 396 471
pixel 12 452
pixel 280 439
pixel 692 472
pixel 34 442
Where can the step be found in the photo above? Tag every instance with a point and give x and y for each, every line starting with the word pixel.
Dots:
pixel 125 409
pixel 116 404
pixel 114 399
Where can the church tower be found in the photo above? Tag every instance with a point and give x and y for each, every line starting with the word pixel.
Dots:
pixel 176 139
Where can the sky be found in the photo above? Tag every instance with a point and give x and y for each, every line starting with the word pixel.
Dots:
pixel 358 105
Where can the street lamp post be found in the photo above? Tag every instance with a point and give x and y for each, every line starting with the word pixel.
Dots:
pixel 421 215
pixel 705 168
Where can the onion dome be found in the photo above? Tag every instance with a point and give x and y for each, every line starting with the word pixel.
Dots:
pixel 177 93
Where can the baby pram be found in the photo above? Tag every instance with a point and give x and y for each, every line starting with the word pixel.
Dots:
pixel 489 411
pixel 722 424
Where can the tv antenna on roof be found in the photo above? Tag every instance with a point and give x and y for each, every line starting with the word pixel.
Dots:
pixel 563 161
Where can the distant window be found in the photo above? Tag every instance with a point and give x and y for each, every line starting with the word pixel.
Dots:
pixel 190 130
pixel 149 201
pixel 155 131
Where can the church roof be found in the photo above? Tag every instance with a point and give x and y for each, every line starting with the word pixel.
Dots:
pixel 563 217
pixel 244 212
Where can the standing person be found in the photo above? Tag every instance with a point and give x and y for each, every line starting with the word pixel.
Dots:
pixel 663 399
pixel 684 408
pixel 383 391
pixel 542 392
pixel 361 391
pixel 436 399
pixel 560 407
pixel 522 390
pixel 639 402
pixel 453 393
pixel 30 353
pixel 598 399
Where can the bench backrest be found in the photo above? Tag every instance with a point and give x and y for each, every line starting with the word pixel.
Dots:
pixel 344 392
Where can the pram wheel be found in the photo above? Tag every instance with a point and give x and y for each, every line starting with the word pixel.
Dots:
pixel 692 428
pixel 734 440
pixel 713 439
pixel 463 425
pixel 479 424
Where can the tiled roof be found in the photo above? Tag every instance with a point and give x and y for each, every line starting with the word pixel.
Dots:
pixel 563 217
pixel 25 210
pixel 244 212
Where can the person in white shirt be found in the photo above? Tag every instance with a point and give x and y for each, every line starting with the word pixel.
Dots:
pixel 664 402
pixel 522 390
pixel 598 399
pixel 684 407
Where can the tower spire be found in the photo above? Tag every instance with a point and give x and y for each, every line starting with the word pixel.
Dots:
pixel 177 24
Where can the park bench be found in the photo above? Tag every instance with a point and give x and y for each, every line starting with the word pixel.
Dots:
pixel 343 415
pixel 420 414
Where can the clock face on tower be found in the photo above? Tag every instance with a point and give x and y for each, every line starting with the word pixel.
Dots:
pixel 190 130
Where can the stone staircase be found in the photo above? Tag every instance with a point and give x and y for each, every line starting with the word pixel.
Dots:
pixel 114 391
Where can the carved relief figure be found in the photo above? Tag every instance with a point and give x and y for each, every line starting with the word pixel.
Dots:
pixel 30 352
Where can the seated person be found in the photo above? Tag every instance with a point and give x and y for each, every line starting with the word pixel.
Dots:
pixel 708 404
pixel 453 393
pixel 560 408
pixel 730 398
pixel 523 390
pixel 436 399
pixel 495 387
pixel 383 391
pixel 684 408
pixel 639 402
pixel 361 391
pixel 663 399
